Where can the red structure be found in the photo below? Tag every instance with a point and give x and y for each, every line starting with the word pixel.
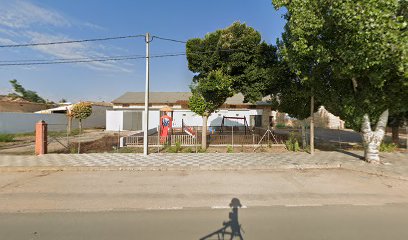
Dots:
pixel 165 126
pixel 41 138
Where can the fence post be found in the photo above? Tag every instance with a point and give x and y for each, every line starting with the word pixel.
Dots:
pixel 232 137
pixel 41 138
pixel 158 138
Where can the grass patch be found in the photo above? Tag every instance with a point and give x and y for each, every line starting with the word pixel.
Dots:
pixel 388 147
pixel 6 137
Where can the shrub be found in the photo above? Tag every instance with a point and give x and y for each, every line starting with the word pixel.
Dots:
pixel 6 137
pixel 280 125
pixel 230 149
pixel 388 147
pixel 292 144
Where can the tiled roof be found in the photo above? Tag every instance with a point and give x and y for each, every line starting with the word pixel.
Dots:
pixel 168 98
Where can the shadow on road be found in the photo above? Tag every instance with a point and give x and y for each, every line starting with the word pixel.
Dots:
pixel 350 154
pixel 232 228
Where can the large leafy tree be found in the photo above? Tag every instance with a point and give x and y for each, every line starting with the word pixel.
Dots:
pixel 227 61
pixel 353 55
pixel 237 51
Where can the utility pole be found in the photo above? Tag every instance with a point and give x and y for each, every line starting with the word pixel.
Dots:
pixel 312 124
pixel 146 111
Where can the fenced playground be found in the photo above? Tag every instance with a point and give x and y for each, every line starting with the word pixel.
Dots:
pixel 216 136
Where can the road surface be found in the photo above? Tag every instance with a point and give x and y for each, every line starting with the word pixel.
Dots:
pixel 269 223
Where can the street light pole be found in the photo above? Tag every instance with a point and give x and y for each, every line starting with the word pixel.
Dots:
pixel 146 111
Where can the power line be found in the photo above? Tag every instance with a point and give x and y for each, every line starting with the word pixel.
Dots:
pixel 102 59
pixel 70 41
pixel 65 59
pixel 168 39
pixel 70 61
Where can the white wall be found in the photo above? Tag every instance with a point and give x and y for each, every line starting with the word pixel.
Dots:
pixel 191 119
pixel 114 120
pixel 25 122
pixel 11 122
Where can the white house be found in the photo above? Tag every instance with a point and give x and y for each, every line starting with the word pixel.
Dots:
pixel 128 110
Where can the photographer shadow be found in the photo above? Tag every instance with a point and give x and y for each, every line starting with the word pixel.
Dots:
pixel 232 228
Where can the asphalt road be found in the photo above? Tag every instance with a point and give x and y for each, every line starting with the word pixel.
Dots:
pixel 279 222
pixel 118 190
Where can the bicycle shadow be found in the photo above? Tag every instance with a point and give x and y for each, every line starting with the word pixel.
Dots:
pixel 232 228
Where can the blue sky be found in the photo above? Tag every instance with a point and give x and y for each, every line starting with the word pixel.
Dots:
pixel 50 20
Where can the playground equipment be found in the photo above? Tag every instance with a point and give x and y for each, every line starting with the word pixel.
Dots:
pixel 246 126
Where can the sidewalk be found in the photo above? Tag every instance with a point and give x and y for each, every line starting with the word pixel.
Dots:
pixel 394 164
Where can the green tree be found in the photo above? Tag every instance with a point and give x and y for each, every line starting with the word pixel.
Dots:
pixel 239 52
pixel 353 56
pixel 28 95
pixel 81 111
pixel 227 61
pixel 208 95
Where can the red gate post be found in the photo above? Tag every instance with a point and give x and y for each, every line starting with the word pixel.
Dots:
pixel 41 138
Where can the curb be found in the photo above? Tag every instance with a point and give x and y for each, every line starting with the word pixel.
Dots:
pixel 167 168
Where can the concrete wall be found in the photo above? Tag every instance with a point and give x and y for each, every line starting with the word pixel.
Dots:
pixel 25 122
pixel 11 122
pixel 114 120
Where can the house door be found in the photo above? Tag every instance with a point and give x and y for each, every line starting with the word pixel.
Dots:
pixel 132 121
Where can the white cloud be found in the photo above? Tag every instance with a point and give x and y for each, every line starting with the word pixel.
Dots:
pixel 22 22
pixel 73 51
pixel 6 41
pixel 21 14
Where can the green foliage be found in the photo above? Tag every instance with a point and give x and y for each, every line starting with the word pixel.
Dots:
pixel 6 137
pixel 187 150
pixel 280 125
pixel 388 147
pixel 230 149
pixel 81 110
pixel 174 149
pixel 353 54
pixel 237 52
pixel 292 144
pixel 28 95
pixel 210 93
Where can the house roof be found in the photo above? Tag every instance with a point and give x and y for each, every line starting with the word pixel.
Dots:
pixel 170 98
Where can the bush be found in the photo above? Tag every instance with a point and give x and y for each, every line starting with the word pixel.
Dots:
pixel 292 144
pixel 280 125
pixel 6 137
pixel 230 149
pixel 388 147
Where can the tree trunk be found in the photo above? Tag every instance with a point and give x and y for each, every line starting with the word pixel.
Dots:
pixel 80 132
pixel 395 134
pixel 312 125
pixel 204 133
pixel 69 128
pixel 373 139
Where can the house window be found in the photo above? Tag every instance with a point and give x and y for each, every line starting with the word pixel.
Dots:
pixel 125 105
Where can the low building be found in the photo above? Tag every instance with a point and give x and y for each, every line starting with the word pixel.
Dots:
pixel 96 120
pixel 128 110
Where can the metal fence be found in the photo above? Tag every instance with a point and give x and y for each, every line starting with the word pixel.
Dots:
pixel 215 136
